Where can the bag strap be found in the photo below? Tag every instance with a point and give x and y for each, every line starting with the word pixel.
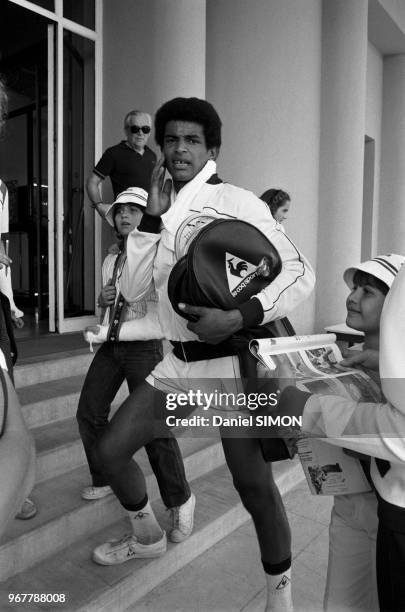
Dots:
pixel 118 264
pixel 116 310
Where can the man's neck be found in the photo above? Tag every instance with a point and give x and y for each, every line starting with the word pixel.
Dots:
pixel 134 148
pixel 178 185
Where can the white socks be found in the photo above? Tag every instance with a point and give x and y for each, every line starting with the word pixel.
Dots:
pixel 144 525
pixel 279 597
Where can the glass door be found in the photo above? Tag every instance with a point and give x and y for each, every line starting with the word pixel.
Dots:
pixel 75 259
pixel 78 155
pixel 49 54
pixel 24 160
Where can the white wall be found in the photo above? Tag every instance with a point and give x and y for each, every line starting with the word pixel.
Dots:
pixel 263 76
pixel 127 67
pixel 154 50
pixel 396 9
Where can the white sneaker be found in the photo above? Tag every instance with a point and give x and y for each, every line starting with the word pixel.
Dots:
pixel 127 548
pixel 91 492
pixel 183 520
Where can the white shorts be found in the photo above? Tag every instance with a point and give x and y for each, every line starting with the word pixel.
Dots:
pixel 222 375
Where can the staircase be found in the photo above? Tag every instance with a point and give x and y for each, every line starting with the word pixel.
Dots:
pixel 51 553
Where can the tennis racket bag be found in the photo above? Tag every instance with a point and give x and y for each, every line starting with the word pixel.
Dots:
pixel 228 261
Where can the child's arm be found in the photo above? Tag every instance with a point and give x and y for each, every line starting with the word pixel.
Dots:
pixel 367 359
pixel 145 328
pixel 374 429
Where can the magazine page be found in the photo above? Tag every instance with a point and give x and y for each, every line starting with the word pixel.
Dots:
pixel 329 470
pixel 312 362
pixel 314 366
pixel 274 345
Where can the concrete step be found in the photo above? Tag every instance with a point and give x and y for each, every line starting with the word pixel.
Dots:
pixel 64 517
pixel 54 366
pixel 59 448
pixel 55 400
pixel 58 365
pixel 92 588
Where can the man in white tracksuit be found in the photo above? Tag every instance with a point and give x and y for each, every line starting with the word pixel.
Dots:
pixel 189 133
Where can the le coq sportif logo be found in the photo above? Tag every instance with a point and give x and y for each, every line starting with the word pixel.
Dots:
pixel 239 273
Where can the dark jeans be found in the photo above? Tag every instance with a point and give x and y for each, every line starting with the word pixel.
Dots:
pixel 391 557
pixel 113 363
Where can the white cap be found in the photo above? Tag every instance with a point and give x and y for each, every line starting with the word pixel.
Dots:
pixel 132 195
pixel 383 267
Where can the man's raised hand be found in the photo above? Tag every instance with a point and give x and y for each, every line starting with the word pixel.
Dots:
pixel 159 193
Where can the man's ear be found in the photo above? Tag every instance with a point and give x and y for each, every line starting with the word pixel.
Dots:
pixel 213 152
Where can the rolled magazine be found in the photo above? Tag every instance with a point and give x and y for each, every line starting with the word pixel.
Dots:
pixel 312 364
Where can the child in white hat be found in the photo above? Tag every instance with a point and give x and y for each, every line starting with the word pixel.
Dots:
pixel 117 361
pixel 376 430
pixel 139 315
pixel 351 579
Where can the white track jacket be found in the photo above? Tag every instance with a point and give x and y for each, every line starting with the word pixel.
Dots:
pixel 151 256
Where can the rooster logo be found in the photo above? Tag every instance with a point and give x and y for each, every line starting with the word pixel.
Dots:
pixel 239 270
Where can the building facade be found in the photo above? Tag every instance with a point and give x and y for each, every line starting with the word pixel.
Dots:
pixel 312 98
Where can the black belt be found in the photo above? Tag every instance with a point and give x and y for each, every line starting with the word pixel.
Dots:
pixel 273 449
pixel 199 351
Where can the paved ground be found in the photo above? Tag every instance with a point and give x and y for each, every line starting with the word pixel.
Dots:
pixel 229 578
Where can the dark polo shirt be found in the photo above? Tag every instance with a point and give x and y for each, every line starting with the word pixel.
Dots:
pixel 126 167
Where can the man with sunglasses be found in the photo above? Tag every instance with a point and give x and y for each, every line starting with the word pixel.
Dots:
pixel 128 164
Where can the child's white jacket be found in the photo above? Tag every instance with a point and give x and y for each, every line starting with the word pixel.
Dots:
pixel 151 256
pixel 374 429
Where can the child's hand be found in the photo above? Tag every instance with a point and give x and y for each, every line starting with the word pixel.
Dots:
pixel 113 249
pixel 107 295
pixel 18 322
pixel 284 373
pixel 95 334
pixel 94 329
pixel 368 359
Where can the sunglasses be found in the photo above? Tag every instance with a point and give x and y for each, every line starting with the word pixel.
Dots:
pixel 135 129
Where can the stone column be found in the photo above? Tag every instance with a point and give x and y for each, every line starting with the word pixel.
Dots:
pixel 178 49
pixel 344 71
